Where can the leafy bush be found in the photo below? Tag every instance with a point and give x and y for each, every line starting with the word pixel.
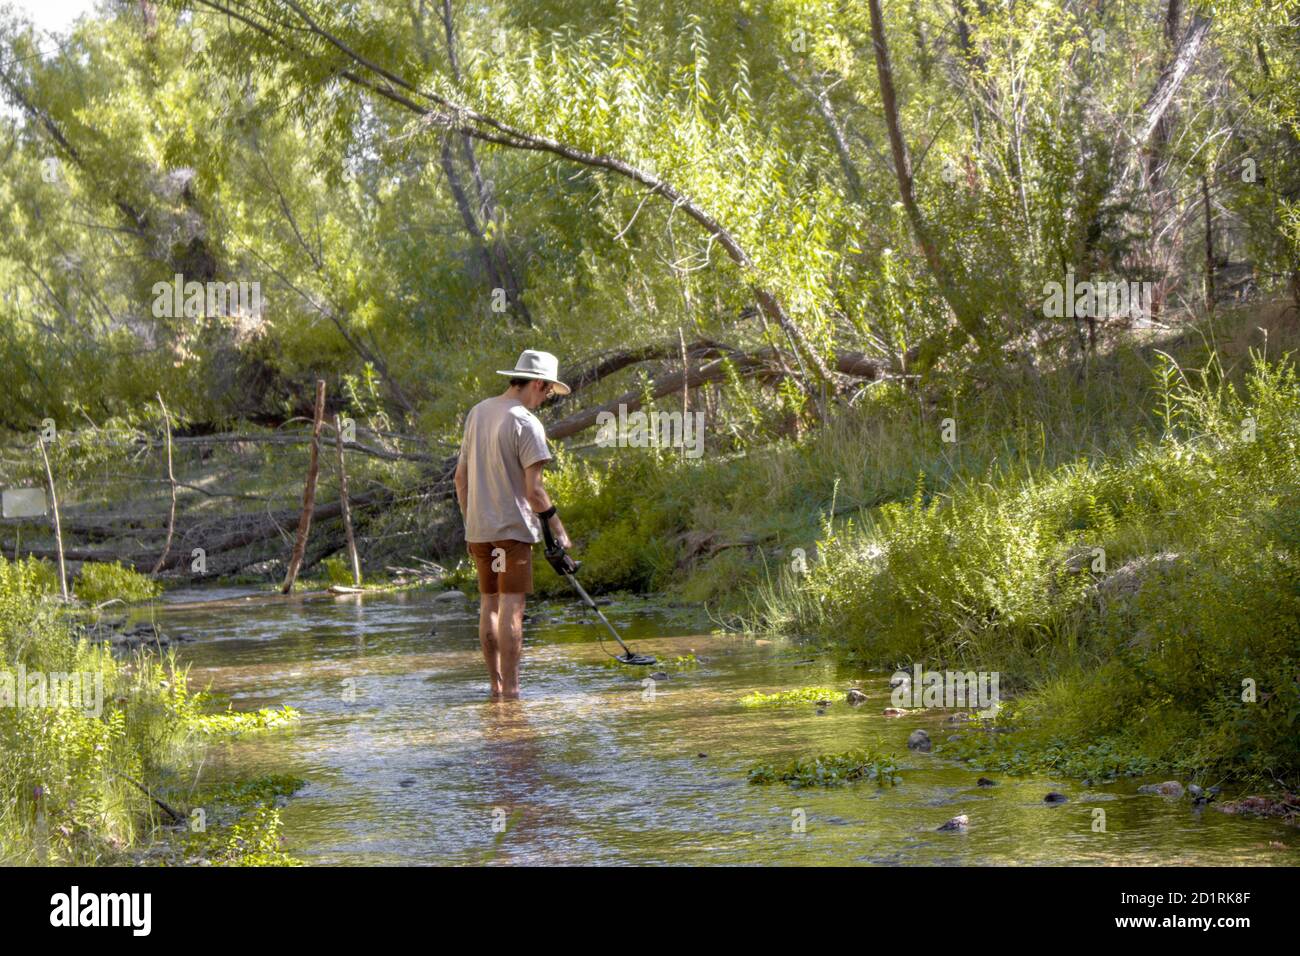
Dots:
pixel 98 583
pixel 338 569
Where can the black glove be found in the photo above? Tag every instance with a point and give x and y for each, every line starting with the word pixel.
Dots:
pixel 555 552
pixel 560 560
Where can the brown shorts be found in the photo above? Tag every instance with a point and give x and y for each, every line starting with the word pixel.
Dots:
pixel 514 559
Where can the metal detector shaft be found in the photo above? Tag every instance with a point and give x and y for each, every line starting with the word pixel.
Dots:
pixel 586 599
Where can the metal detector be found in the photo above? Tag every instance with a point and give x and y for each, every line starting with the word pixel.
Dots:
pixel 566 567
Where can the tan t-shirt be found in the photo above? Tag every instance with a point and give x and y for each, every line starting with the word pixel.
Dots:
pixel 502 438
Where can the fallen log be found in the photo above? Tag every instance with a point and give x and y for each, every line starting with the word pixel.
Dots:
pixel 255 528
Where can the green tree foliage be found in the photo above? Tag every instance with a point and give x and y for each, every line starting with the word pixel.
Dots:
pixel 267 145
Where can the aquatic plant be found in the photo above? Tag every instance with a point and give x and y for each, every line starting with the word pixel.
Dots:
pixel 799 695
pixel 234 723
pixel 830 770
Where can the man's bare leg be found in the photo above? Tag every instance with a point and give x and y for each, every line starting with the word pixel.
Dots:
pixel 510 641
pixel 488 622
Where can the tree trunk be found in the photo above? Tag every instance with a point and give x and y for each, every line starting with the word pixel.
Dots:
pixel 970 322
pixel 497 256
pixel 1171 78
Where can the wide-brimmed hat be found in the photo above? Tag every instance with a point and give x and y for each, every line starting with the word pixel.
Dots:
pixel 539 365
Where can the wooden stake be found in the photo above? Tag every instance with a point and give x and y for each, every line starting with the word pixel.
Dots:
pixel 343 500
pixel 54 506
pixel 308 492
pixel 171 478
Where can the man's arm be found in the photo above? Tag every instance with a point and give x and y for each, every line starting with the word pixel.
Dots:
pixel 540 501
pixel 462 485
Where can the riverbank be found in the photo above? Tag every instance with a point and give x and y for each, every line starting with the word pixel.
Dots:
pixel 102 742
pixel 1117 540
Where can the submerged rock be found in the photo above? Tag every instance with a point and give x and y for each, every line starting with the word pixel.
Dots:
pixel 961 822
pixel 919 740
pixel 893 712
pixel 1287 806
pixel 659 675
pixel 1170 788
pixel 985 782
pixel 451 596
pixel 1055 796
pixel 138 635
pixel 855 697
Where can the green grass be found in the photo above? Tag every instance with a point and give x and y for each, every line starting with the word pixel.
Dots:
pixel 1117 539
pixel 241 825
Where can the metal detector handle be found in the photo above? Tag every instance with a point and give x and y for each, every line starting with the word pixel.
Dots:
pixel 558 558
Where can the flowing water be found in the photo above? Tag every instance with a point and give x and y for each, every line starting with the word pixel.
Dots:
pixel 407 762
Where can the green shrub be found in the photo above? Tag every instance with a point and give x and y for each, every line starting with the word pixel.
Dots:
pixel 1145 658
pixel 338 570
pixel 98 583
pixel 66 772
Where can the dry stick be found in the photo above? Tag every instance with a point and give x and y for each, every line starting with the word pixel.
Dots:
pixel 54 506
pixel 176 817
pixel 308 492
pixel 343 499
pixel 686 384
pixel 171 479
pixel 1209 245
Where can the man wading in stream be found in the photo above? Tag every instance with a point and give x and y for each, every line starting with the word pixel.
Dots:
pixel 499 488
